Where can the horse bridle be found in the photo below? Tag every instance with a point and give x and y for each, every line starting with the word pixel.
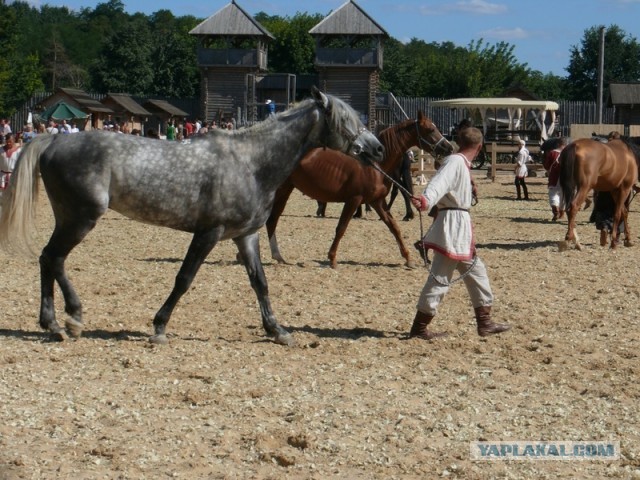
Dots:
pixel 354 146
pixel 421 140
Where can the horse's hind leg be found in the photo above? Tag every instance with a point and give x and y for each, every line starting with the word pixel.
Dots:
pixel 280 202
pixel 345 217
pixel 250 250
pixel 571 217
pixel 201 245
pixel 621 215
pixel 52 259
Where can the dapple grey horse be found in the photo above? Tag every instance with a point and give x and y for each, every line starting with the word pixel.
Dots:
pixel 222 187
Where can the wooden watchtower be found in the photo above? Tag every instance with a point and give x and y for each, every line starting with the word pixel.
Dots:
pixel 349 52
pixel 232 47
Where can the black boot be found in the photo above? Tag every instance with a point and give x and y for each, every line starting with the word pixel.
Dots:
pixel 419 327
pixel 485 325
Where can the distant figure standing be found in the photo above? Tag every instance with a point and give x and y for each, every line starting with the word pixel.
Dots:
pixel 271 107
pixel 171 131
pixel 521 171
pixel 8 157
pixel 604 207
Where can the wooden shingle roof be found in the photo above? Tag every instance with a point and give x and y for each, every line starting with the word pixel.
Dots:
pixel 128 104
pixel 231 20
pixel 624 94
pixel 166 107
pixel 86 102
pixel 349 19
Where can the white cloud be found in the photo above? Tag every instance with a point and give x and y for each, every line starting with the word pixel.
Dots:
pixel 500 33
pixel 474 7
pixel 478 7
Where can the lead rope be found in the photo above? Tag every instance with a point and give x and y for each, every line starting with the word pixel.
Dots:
pixel 423 235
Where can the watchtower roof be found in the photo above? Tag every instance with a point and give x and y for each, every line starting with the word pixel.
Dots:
pixel 231 20
pixel 349 19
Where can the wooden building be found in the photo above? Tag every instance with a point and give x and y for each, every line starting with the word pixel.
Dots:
pixel 625 97
pixel 232 51
pixel 127 111
pixel 161 112
pixel 82 101
pixel 349 58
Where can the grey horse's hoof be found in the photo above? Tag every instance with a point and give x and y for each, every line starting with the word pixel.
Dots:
pixel 159 339
pixel 74 327
pixel 58 335
pixel 285 339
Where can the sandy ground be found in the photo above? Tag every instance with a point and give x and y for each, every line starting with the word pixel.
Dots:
pixel 353 398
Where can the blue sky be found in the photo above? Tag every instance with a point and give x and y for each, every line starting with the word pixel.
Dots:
pixel 542 31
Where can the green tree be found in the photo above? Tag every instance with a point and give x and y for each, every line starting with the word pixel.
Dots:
pixel 125 63
pixel 621 61
pixel 293 50
pixel 175 69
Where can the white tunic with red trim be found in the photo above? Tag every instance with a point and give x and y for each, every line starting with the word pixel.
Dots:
pixel 450 189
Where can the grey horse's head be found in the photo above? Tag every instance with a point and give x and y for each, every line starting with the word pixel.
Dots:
pixel 344 130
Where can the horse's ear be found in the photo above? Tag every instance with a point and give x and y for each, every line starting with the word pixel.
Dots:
pixel 321 99
pixel 420 115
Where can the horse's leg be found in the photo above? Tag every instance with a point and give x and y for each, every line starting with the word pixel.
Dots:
pixel 406 180
pixel 201 245
pixel 280 202
pixel 322 209
pixel 408 207
pixel 571 216
pixel 249 248
pixel 392 197
pixel 357 212
pixel 620 214
pixel 65 237
pixel 350 206
pixel 392 225
pixel 627 235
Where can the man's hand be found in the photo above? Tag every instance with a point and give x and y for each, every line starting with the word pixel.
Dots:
pixel 420 203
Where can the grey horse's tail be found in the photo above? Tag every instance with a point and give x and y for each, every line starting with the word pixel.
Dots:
pixel 18 202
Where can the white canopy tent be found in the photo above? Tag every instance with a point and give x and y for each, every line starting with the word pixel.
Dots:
pixel 515 108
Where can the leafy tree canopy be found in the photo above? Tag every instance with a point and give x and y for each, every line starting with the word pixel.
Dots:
pixel 105 49
pixel 621 61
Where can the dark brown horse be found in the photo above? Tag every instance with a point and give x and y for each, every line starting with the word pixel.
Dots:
pixel 329 176
pixel 587 164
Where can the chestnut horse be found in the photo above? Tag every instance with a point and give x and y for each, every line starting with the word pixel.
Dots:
pixel 588 164
pixel 329 176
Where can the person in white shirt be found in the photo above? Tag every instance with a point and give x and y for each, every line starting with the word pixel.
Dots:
pixel 8 157
pixel 522 171
pixel 52 129
pixel 451 239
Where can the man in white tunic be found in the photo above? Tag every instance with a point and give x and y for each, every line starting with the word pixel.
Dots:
pixel 451 239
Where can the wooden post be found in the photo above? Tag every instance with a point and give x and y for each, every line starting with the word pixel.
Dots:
pixel 494 160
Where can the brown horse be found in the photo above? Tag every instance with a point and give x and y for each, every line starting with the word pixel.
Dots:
pixel 587 164
pixel 330 176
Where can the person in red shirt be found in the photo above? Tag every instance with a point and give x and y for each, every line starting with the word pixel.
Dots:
pixel 188 129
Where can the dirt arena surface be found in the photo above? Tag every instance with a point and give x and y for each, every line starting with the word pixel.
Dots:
pixel 353 399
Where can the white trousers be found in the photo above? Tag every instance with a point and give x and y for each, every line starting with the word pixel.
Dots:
pixel 437 285
pixel 555 196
